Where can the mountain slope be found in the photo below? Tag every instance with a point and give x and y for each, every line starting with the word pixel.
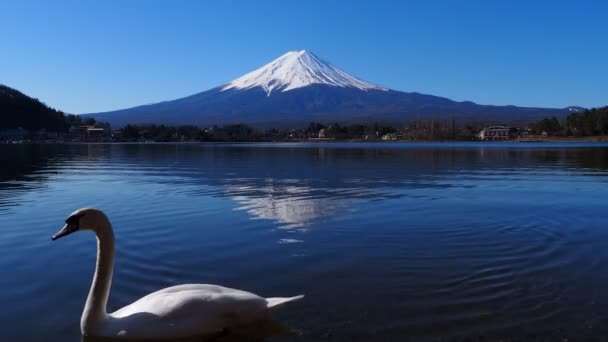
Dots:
pixel 299 87
pixel 19 110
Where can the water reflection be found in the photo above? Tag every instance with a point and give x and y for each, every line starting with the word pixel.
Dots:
pixel 461 240
pixel 258 331
pixel 291 206
pixel 291 186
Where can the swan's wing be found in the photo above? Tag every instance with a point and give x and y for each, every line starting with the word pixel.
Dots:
pixel 195 300
pixel 188 310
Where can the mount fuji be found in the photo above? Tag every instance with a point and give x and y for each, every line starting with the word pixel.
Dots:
pixel 300 87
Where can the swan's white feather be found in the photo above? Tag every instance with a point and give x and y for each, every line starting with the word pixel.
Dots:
pixel 185 310
pixel 278 301
pixel 172 300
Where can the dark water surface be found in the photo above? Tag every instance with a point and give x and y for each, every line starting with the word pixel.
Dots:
pixel 387 241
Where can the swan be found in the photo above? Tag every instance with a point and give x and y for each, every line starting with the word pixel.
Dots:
pixel 174 312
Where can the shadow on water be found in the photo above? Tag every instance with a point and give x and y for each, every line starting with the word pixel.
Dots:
pixel 258 331
pixel 28 167
pixel 25 164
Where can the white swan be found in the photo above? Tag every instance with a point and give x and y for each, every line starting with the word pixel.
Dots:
pixel 174 312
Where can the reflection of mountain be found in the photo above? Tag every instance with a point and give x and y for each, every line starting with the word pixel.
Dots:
pixel 289 205
pixel 292 185
pixel 297 186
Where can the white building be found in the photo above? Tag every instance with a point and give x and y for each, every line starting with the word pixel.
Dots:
pixel 495 133
pixel 389 137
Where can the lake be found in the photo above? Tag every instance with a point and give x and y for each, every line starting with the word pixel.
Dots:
pixel 388 241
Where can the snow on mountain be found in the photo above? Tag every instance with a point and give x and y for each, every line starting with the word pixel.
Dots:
pixel 575 109
pixel 298 69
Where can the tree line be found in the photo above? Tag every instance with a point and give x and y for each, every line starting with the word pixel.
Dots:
pixel 418 130
pixel 586 123
pixel 164 133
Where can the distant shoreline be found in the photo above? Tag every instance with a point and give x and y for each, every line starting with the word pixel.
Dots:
pixel 591 138
pixel 529 139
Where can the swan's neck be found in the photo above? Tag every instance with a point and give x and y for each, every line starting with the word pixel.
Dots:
pixel 95 308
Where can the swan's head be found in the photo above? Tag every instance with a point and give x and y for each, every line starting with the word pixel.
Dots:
pixel 81 219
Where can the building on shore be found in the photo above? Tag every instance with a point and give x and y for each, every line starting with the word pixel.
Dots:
pixel 390 137
pixel 89 133
pixel 495 133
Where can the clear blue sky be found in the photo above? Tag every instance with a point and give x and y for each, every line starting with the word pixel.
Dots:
pixel 89 56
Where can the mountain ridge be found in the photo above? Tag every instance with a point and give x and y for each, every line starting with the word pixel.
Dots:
pixel 299 87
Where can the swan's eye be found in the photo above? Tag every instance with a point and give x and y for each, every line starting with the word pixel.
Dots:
pixel 74 221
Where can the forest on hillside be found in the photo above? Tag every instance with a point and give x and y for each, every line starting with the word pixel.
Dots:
pixel 18 110
pixel 586 123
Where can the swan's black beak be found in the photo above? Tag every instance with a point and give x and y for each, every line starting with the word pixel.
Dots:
pixel 66 230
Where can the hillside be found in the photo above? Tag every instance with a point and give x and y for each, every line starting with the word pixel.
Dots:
pixel 19 110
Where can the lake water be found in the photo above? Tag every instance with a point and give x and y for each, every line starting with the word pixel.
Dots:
pixel 387 241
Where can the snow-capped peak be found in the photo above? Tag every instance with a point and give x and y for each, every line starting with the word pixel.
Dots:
pixel 297 69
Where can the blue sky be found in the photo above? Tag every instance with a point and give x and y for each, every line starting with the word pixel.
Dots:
pixel 89 56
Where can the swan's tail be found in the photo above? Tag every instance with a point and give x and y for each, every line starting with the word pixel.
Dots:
pixel 275 302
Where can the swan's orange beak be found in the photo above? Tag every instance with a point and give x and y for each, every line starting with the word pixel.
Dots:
pixel 66 230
